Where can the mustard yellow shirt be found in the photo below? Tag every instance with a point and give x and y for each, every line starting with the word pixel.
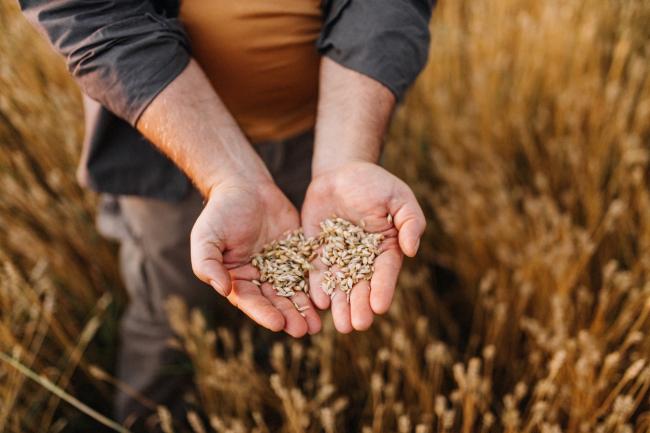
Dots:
pixel 261 59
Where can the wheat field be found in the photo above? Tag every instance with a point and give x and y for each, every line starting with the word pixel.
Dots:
pixel 527 310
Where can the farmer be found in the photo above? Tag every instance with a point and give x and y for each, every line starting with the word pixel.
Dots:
pixel 218 126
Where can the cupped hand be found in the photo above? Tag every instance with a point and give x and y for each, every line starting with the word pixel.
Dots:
pixel 237 221
pixel 365 194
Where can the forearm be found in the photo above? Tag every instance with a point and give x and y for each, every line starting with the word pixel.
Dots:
pixel 353 114
pixel 188 122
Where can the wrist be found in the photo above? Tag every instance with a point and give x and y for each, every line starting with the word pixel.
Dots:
pixel 244 180
pixel 353 114
pixel 327 165
pixel 329 157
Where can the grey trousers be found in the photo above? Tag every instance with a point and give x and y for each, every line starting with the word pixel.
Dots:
pixel 155 264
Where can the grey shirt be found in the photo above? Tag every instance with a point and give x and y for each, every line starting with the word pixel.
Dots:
pixel 124 52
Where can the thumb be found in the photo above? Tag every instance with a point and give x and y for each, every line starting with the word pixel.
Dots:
pixel 410 222
pixel 310 216
pixel 207 262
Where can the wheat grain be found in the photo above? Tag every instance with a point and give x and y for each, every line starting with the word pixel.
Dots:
pixel 345 248
pixel 350 253
pixel 285 263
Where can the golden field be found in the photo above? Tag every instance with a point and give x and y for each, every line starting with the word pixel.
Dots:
pixel 527 141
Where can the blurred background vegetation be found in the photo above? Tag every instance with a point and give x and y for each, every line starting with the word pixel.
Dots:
pixel 528 309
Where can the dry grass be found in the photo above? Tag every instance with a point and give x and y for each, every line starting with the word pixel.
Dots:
pixel 527 310
pixel 53 267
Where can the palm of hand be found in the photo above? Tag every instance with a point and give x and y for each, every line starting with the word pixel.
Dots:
pixel 364 193
pixel 236 223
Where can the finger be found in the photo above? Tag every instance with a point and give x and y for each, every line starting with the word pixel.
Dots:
pixel 294 324
pixel 341 312
pixel 246 272
pixel 310 214
pixel 409 221
pixel 311 228
pixel 247 297
pixel 311 316
pixel 361 314
pixel 384 279
pixel 207 263
pixel 316 292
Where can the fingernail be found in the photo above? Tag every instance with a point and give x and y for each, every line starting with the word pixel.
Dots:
pixel 417 247
pixel 218 288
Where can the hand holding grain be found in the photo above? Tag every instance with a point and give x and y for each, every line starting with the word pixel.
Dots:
pixel 365 194
pixel 237 221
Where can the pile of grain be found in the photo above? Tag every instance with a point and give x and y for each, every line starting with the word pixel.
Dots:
pixel 346 249
pixel 349 252
pixel 285 263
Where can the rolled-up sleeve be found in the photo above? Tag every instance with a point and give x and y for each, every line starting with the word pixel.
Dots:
pixel 387 40
pixel 121 52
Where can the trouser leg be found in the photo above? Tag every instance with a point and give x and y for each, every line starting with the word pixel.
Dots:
pixel 155 263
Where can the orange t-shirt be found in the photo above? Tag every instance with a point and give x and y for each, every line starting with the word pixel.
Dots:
pixel 261 59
